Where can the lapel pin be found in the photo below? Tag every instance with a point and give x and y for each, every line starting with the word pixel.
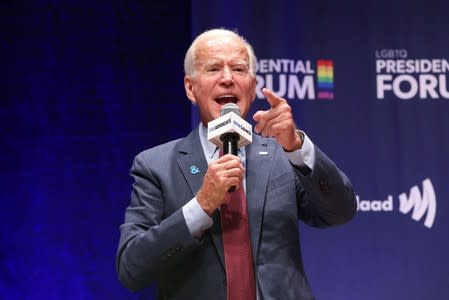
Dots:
pixel 194 170
pixel 263 153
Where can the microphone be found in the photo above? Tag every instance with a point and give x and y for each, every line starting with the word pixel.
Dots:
pixel 229 132
pixel 229 127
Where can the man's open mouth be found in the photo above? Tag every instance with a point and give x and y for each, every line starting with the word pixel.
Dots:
pixel 224 99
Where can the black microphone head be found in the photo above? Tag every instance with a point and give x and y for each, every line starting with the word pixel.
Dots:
pixel 228 107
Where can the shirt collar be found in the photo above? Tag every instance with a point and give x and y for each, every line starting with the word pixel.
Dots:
pixel 209 148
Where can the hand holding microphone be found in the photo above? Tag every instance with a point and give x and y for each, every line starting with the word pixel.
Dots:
pixel 229 132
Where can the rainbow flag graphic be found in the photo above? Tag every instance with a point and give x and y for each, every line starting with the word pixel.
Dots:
pixel 325 77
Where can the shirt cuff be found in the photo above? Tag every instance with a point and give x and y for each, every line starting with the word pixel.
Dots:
pixel 196 219
pixel 305 156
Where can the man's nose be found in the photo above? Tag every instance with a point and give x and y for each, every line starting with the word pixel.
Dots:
pixel 226 77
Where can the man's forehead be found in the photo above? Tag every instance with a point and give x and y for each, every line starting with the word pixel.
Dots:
pixel 220 52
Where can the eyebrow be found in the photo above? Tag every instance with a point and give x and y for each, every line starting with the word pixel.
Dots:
pixel 215 62
pixel 210 63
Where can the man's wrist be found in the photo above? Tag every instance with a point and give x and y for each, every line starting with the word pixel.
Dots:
pixel 299 140
pixel 301 137
pixel 196 219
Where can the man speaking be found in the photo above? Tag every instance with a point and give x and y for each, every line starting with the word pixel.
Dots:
pixel 207 224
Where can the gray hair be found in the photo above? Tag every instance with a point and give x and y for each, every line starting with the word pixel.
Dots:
pixel 189 60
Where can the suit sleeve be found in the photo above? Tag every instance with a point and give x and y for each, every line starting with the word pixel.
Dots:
pixel 151 242
pixel 325 195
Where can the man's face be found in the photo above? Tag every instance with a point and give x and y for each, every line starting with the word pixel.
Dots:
pixel 221 76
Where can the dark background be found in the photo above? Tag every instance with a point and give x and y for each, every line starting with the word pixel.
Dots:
pixel 85 86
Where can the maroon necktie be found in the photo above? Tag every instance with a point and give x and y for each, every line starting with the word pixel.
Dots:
pixel 241 284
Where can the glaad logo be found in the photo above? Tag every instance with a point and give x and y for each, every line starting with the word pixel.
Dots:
pixel 424 204
pixel 420 203
pixel 406 78
pixel 295 79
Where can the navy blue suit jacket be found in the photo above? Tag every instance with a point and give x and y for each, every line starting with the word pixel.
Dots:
pixel 156 245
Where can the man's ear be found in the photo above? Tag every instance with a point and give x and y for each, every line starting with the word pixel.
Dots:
pixel 188 86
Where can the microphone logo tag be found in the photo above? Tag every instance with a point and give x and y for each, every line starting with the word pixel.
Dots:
pixel 229 123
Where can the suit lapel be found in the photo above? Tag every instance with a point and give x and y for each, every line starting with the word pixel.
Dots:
pixel 259 157
pixel 193 166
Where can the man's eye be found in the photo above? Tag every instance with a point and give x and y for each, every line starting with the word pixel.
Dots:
pixel 240 69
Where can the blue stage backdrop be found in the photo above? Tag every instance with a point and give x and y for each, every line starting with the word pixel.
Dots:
pixel 368 82
pixel 86 85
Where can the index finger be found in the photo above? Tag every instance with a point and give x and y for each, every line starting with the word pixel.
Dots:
pixel 272 98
